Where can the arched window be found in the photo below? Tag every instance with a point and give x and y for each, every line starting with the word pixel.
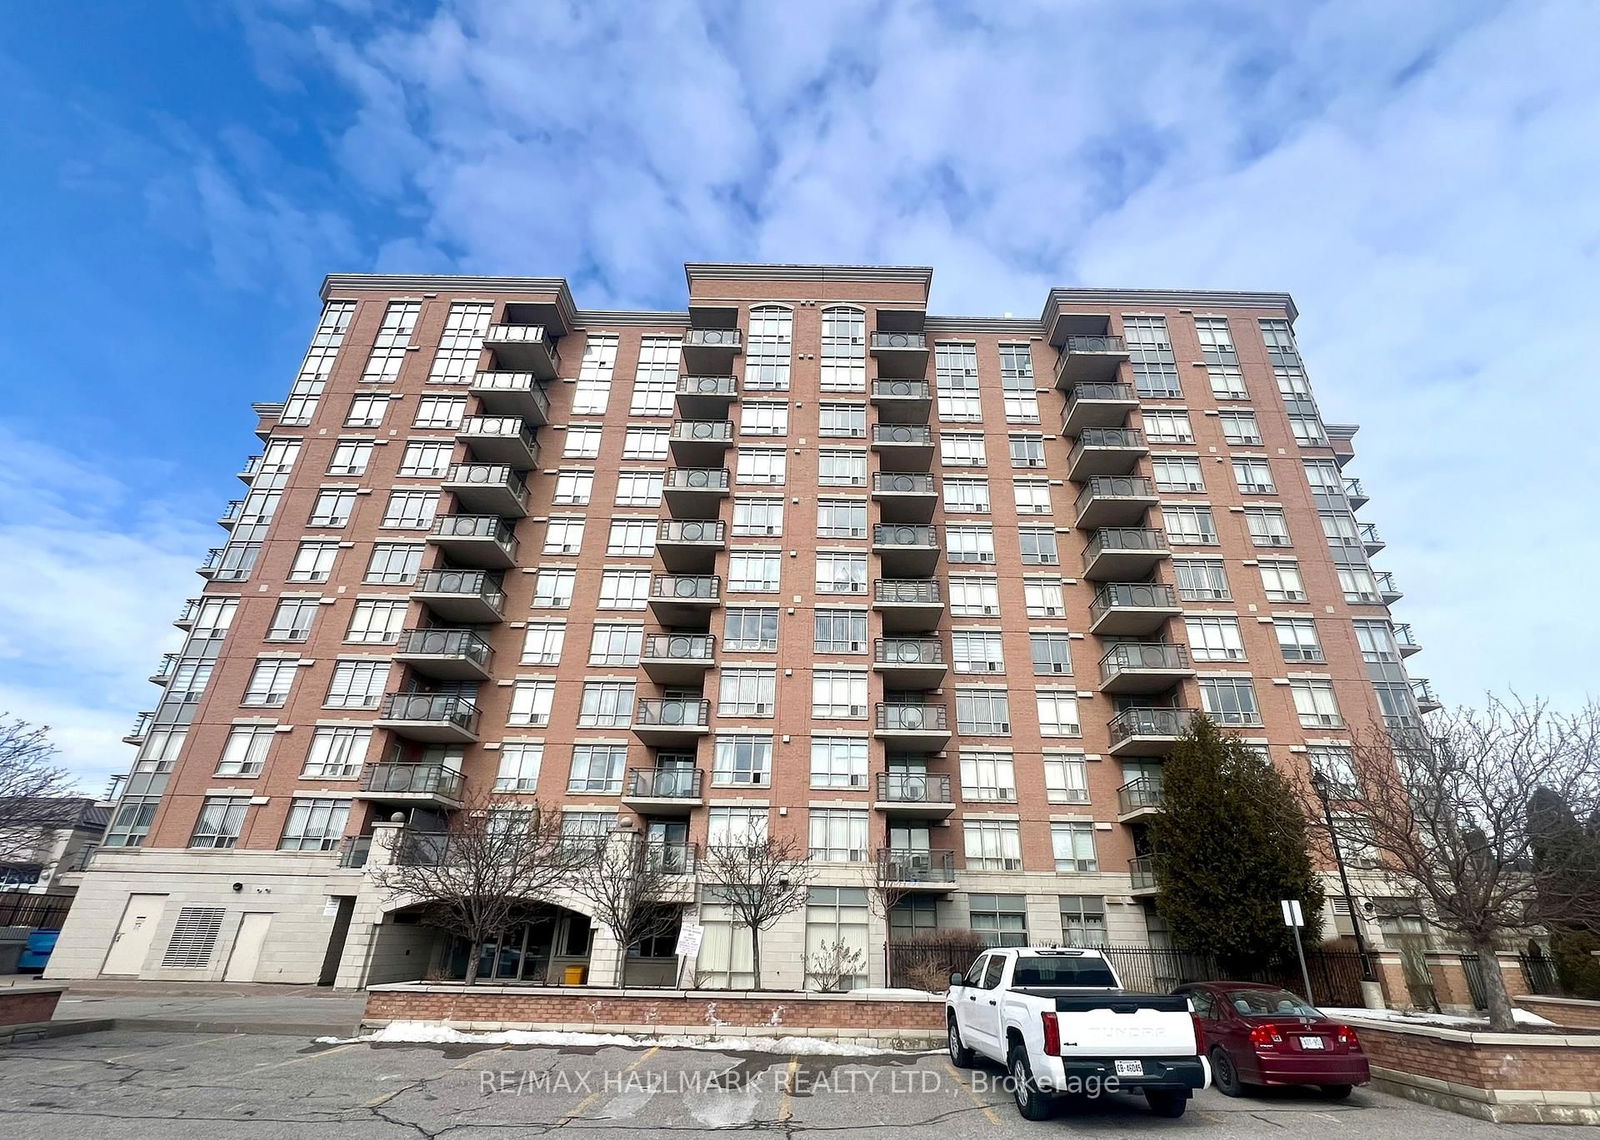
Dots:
pixel 771 345
pixel 844 349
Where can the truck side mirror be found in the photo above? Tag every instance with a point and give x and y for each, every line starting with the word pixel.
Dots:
pixel 957 980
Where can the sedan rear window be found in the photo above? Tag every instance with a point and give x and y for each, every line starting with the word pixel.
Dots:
pixel 1269 1003
pixel 1086 972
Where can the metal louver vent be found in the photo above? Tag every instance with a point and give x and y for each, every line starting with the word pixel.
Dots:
pixel 194 936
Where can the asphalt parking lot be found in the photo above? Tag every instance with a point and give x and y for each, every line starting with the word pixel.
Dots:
pixel 137 1084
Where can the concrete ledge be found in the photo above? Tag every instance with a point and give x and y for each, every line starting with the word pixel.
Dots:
pixel 38 1030
pixel 1505 1106
pixel 25 1003
pixel 650 993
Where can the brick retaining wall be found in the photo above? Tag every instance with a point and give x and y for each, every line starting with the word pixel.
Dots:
pixel 27 1004
pixel 1574 1013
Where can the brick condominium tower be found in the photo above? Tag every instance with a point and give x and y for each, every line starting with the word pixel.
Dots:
pixel 931 595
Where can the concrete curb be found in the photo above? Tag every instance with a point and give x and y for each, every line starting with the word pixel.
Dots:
pixel 17 1034
pixel 39 1030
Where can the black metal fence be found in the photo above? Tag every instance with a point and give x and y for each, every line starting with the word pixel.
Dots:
pixel 1540 974
pixel 1472 967
pixel 42 912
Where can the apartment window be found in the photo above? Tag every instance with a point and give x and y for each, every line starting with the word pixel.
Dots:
pixel 1192 526
pixel 616 645
pixel 763 418
pixel 988 777
pixel 1267 526
pixel 392 564
pixel 1340 529
pixel 357 685
pixel 1307 431
pixel 970 542
pixel 838 695
pixel 1240 428
pixel 1052 653
pixel 1042 597
pixel 376 623
pixel 591 395
pixel 599 357
pixel 245 751
pixel 440 411
pixel 842 468
pixel 542 642
pixel 992 845
pixel 292 619
pixel 333 507
pixel 1021 408
pixel 606 704
pixel 1083 921
pixel 844 350
pixel 632 538
pixel 750 629
pixel 653 397
pixel 1336 764
pixel 1227 382
pixel 977 651
pixel 1292 382
pixel 520 762
pixel 849 420
pixel 1214 639
pixel 735 826
pixel 747 692
pixel 983 712
pixel 461 342
pixel 552 588
pixel 564 535
pixel 270 682
pixel 974 595
pixel 214 617
pixel 426 459
pixel 624 589
pixel 1178 473
pixel 754 572
pixel 336 753
pixel 220 823
pixel 278 458
pixel 1168 427
pixel 1032 496
pixel 1026 450
pixel 1315 703
pixel 838 762
pixel 1229 700
pixel 1324 477
pixel 412 509
pixel 1058 713
pixel 160 749
pixel 645 443
pixel 1253 476
pixel 1038 545
pixel 583 442
pixel 131 824
pixel 966 496
pixel 838 835
pixel 1376 639
pixel 956 371
pixel 365 411
pixel 1155 370
pixel 761 465
pixel 573 488
pixel 1297 637
pixel 1002 920
pixel 1066 779
pixel 1201 579
pixel 350 457
pixel 842 518
pixel 188 681
pixel 770 349
pixel 840 573
pixel 531 702
pixel 1356 845
pixel 839 631
pixel 1073 844
pixel 314 825
pixel 741 760
pixel 962 450
pixel 394 335
pixel 597 768
pixel 639 488
pixel 757 518
pixel 1359 586
pixel 1280 578
pixel 838 916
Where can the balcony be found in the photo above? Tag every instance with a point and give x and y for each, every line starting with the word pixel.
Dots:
pixel 1341 437
pixel 1132 609
pixel 1090 360
pixel 1354 495
pixel 141 728
pixel 711 351
pixel 189 614
pixel 211 563
pixel 163 673
pixel 500 439
pixel 900 355
pixel 251 468
pixel 902 401
pixel 908 605
pixel 432 784
pixel 1143 667
pixel 706 397
pixel 909 662
pixel 488 489
pixel 1106 451
pixel 916 869
pixel 674 720
pixel 662 791
pixel 469 596
pixel 1142 872
pixel 1114 500
pixel 1098 406
pixel 1370 539
pixel 685 599
pixel 354 852
pixel 904 496
pixel 478 541
pixel 903 447
pixel 524 347
pixel 912 728
pixel 432 717
pixel 1388 590
pixel 690 546
pixel 449 654
pixel 906 551
pixel 1124 554
pixel 695 492
pixel 1147 731
pixel 914 795
pixel 678 658
pixel 1138 798
pixel 700 443
pixel 231 514
pixel 518 394
pixel 1406 640
pixel 1422 693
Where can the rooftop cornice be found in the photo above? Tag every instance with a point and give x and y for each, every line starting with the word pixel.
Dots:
pixel 1018 326
pixel 335 283
pixel 1217 299
pixel 630 318
pixel 736 271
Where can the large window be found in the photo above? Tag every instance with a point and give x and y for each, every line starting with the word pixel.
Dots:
pixel 1192 526
pixel 1297 637
pixel 1043 597
pixel 844 350
pixel 221 822
pixel 1315 703
pixel 839 835
pixel 612 644
pixel 1214 639
pixel 846 420
pixel 842 518
pixel 461 342
pixel 531 702
pixel 956 369
pixel 292 619
pixel 991 845
pixel 747 692
pixel 750 629
pixel 624 589
pixel 314 825
pixel 638 488
pixel 1073 844
pixel 1027 450
pixel 841 468
pixel 761 465
pixel 1280 579
pixel 1066 778
pixel 1253 476
pixel 838 694
pixel 426 459
pixel 838 762
pixel 1168 427
pixel 552 587
pixel 1267 526
pixel 1038 546
pixel 977 651
pixel 645 443
pixel 741 760
pixel 1001 920
pixel 841 573
pixel 350 457
pixel 365 411
pixel 394 337
pixel 1229 700
pixel 655 383
pixel 983 712
pixel 958 449
pixel 606 704
pixel 839 631
pixel 632 537
pixel 336 753
pixel 593 390
pixel 988 777
pixel 735 826
pixel 333 507
pixel 573 488
pixel 411 509
pixel 974 595
pixel 1032 496
pixel 245 752
pixel 1178 474
pixel 758 518
pixel 270 682
pixel 357 684
pixel 1201 579
pixel 1083 921
pixel 834 916
pixel 966 495
pixel 1155 369
pixel 1058 712
pixel 520 761
pixel 763 417
pixel 754 571
pixel 1240 428
pixel 969 542
pixel 770 349
pixel 1016 380
pixel 583 442
pixel 440 412
pixel 392 563
pixel 597 768
pixel 1051 652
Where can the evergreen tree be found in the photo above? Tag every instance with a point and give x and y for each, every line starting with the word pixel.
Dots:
pixel 1229 844
pixel 1566 862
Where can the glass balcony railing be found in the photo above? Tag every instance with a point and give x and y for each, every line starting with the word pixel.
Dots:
pixel 664 783
pixel 1139 795
pixel 913 788
pixel 899 865
pixel 412 779
pixel 908 651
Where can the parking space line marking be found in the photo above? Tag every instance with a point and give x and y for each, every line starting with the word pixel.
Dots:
pixel 157 1048
pixel 383 1098
pixel 786 1105
pixel 588 1102
pixel 315 1056
pixel 988 1112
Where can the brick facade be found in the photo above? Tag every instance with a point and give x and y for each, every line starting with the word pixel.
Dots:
pixel 26 1005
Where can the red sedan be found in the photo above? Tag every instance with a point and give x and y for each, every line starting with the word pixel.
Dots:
pixel 1263 1035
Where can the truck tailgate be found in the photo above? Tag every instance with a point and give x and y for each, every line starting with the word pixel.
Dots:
pixel 1147 1025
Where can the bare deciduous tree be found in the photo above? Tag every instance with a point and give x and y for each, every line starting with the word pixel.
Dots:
pixel 1447 810
pixel 760 879
pixel 884 879
pixel 630 884
pixel 28 774
pixel 497 855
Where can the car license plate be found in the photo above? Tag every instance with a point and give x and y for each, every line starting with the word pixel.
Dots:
pixel 1311 1043
pixel 1130 1068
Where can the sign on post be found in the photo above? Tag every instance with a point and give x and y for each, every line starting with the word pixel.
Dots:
pixel 1295 919
pixel 1292 915
pixel 689 936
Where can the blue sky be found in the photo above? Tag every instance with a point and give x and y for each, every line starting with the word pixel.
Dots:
pixel 179 176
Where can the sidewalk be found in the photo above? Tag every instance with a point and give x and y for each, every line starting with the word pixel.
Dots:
pixel 214 1007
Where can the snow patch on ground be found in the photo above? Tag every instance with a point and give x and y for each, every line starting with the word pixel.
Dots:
pixel 1445 1020
pixel 427 1033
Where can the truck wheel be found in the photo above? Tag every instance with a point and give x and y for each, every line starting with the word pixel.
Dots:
pixel 960 1055
pixel 1336 1092
pixel 1167 1102
pixel 1031 1100
pixel 1223 1074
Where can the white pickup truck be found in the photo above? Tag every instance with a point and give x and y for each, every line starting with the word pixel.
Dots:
pixel 1062 1024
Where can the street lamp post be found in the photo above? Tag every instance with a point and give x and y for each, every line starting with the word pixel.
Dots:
pixel 1319 783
